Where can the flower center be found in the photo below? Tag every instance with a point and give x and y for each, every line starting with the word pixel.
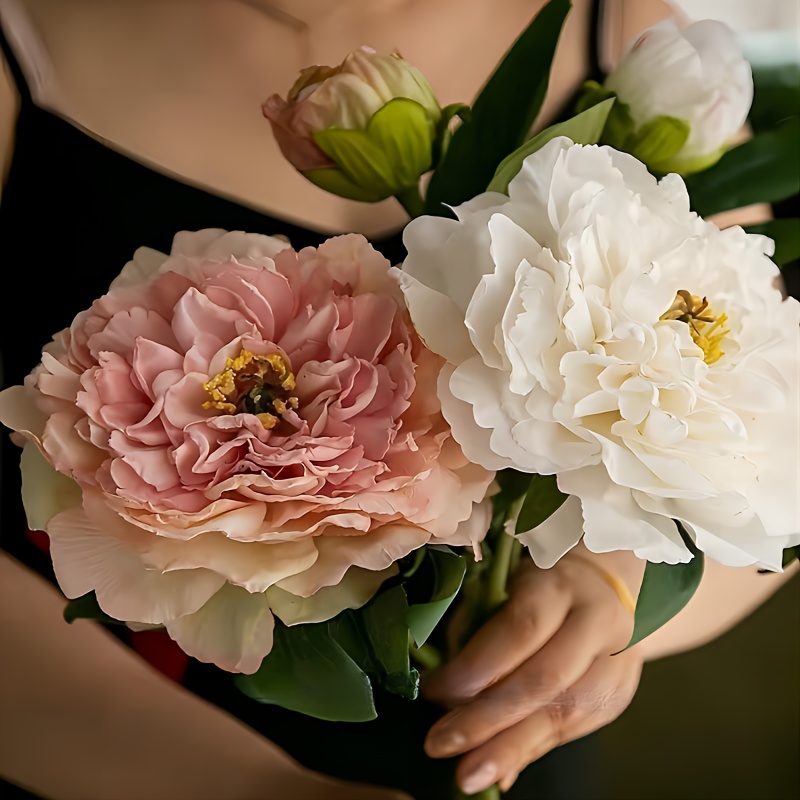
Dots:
pixel 252 384
pixel 707 328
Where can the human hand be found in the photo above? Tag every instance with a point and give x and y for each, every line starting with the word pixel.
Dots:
pixel 542 671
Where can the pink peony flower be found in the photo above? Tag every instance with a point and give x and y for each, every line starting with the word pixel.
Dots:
pixel 236 430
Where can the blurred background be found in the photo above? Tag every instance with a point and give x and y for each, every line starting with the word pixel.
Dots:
pixel 721 722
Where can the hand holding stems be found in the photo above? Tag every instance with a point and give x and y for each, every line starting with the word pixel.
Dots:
pixel 545 670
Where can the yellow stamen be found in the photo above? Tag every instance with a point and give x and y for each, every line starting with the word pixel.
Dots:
pixel 254 384
pixel 707 328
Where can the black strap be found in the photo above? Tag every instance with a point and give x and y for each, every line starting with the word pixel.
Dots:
pixel 595 40
pixel 13 65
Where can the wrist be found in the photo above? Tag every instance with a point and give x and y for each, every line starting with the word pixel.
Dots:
pixel 621 569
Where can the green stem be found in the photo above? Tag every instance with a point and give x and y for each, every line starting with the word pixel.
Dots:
pixel 412 202
pixel 504 560
pixel 497 591
pixel 426 655
pixel 492 793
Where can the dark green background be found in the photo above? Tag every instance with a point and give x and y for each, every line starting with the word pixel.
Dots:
pixel 721 722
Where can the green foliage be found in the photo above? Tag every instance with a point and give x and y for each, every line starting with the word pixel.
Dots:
pixel 384 621
pixel 542 499
pixel 388 157
pixel 308 671
pixel 585 128
pixel 790 554
pixel 444 132
pixel 329 669
pixel 764 169
pixel 666 589
pixel 87 607
pixel 776 96
pixel 658 142
pixel 785 233
pixel 501 116
pixel 448 573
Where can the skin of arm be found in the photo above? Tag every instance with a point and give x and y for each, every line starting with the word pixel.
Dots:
pixel 82 717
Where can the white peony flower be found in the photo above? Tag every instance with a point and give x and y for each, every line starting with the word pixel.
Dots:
pixel 597 329
pixel 698 75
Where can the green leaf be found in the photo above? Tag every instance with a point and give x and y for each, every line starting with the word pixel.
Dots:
pixel 513 484
pixel 790 554
pixel 666 589
pixel 309 672
pixel 785 233
pixel 384 620
pixel 658 141
pixel 542 499
pixel 347 630
pixel 585 128
pixel 501 116
pixel 592 93
pixel 86 607
pixel 776 96
pixel 764 169
pixel 444 132
pixel 448 568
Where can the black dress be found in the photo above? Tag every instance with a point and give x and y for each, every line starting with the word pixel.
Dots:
pixel 72 213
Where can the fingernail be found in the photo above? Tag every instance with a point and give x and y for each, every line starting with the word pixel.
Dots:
pixel 481 778
pixel 445 742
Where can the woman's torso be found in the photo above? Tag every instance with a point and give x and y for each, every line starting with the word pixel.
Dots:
pixel 73 211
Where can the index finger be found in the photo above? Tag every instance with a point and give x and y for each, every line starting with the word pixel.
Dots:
pixel 523 625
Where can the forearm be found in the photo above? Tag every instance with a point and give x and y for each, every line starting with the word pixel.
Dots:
pixel 82 717
pixel 726 596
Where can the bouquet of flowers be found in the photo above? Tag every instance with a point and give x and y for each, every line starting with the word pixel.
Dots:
pixel 295 462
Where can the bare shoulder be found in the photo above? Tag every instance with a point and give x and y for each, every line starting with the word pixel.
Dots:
pixel 9 104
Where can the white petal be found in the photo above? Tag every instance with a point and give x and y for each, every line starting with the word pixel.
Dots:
pixel 557 535
pixel 436 318
pixel 232 630
pixel 18 411
pixel 254 566
pixel 612 520
pixel 86 559
pixel 356 588
pixel 145 263
pixel 45 492
pixel 218 244
pixel 374 551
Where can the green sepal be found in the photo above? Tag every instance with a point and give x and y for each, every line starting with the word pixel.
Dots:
pixel 87 607
pixel 619 126
pixel 785 232
pixel 592 93
pixel 666 589
pixel 384 621
pixel 404 133
pixel 765 169
pixel 309 672
pixel 333 180
pixel 502 114
pixel 542 499
pixel 448 574
pixel 585 128
pixel 658 142
pixel 389 156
